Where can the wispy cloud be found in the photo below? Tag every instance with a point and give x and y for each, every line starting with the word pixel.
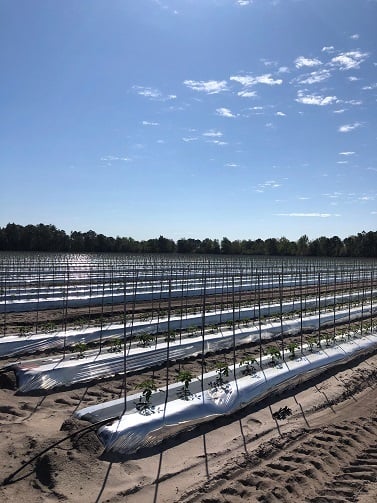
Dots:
pixel 355 36
pixel 249 80
pixel 340 111
pixel 370 87
pixel 314 77
pixel 302 61
pixel 224 112
pixel 209 86
pixel 244 3
pixel 152 93
pixel 231 165
pixel 311 215
pixel 218 142
pixel 315 99
pixel 366 198
pixel 283 69
pixel 188 139
pixel 148 123
pixel 110 158
pixel 280 114
pixel 349 60
pixel 247 94
pixel 346 153
pixel 346 128
pixel 269 184
pixel 212 133
pixel 328 48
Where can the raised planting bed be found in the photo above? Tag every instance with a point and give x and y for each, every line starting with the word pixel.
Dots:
pixel 168 411
pixel 60 372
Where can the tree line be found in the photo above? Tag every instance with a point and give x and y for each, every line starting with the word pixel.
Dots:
pixel 47 238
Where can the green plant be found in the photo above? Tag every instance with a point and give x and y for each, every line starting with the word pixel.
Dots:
pixel 144 404
pixel 249 362
pixel 292 346
pixel 185 377
pixel 170 336
pixel 222 370
pixel 116 346
pixel 145 339
pixel 79 348
pixel 23 331
pixel 274 353
pixel 311 340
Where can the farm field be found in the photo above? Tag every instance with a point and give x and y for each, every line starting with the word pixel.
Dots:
pixel 188 379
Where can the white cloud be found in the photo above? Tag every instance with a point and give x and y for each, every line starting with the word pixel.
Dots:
pixel 283 69
pixel 328 48
pixel 280 114
pixel 269 184
pixel 209 86
pixel 340 111
pixel 148 92
pixel 366 198
pixel 248 80
pixel 243 3
pixel 187 139
pixel 302 61
pixel 353 102
pixel 352 78
pixel 355 36
pixel 224 112
pixel 369 88
pixel 314 77
pixel 152 93
pixel 217 142
pixel 315 99
pixel 213 133
pixel 349 60
pixel 109 158
pixel 342 162
pixel 247 94
pixel 346 128
pixel 231 165
pixel 147 123
pixel 346 153
pixel 319 215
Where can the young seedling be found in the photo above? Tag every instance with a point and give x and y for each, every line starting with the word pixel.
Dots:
pixel 145 339
pixel 116 346
pixel 292 346
pixel 185 377
pixel 144 404
pixel 311 340
pixel 79 348
pixel 249 362
pixel 222 370
pixel 275 355
pixel 170 336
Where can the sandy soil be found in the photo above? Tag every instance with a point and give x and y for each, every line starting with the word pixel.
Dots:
pixel 326 451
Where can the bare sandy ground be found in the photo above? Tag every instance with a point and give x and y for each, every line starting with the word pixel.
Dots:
pixel 326 451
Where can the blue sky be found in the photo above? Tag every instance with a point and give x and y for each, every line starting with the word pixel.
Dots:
pixel 189 118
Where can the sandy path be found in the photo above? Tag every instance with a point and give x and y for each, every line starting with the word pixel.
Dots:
pixel 325 452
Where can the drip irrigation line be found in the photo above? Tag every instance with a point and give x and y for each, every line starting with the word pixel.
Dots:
pixel 9 480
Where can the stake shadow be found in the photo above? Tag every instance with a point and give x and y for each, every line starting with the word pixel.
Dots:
pixel 302 411
pixel 98 499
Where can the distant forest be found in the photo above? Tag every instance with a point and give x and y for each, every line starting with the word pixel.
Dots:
pixel 47 238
